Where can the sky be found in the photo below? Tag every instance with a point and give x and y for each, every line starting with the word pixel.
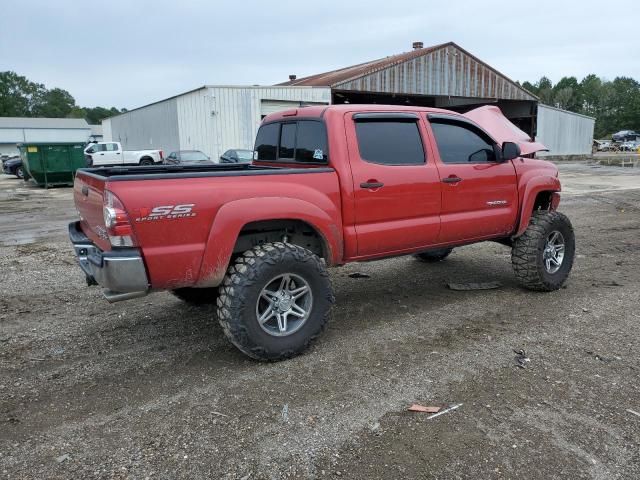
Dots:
pixel 130 53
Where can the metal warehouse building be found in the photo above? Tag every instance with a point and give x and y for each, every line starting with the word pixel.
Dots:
pixel 214 119
pixel 15 130
pixel 211 119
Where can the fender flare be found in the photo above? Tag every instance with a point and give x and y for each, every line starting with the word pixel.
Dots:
pixel 233 216
pixel 531 190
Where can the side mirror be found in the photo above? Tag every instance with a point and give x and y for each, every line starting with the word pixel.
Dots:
pixel 510 151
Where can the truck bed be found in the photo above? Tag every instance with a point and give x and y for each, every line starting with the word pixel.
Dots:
pixel 114 174
pixel 214 202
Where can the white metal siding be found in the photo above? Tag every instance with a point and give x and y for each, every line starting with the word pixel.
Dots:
pixel 9 149
pixel 216 119
pixel 44 135
pixel 106 130
pixel 11 135
pixel 272 106
pixel 154 127
pixel 55 135
pixel 563 132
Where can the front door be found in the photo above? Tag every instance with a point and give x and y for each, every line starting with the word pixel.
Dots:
pixel 479 192
pixel 396 188
pixel 112 154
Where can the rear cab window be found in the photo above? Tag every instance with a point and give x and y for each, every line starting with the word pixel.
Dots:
pixel 296 141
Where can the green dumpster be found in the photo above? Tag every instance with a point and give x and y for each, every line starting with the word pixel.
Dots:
pixel 50 164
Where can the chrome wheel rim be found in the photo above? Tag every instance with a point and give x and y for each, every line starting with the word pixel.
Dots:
pixel 553 253
pixel 284 305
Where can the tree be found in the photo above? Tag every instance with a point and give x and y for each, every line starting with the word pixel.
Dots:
pixel 567 94
pixel 54 103
pixel 18 95
pixel 97 114
pixel 614 104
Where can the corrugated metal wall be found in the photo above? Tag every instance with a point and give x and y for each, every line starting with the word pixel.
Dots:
pixel 443 72
pixel 106 130
pixel 564 133
pixel 216 119
pixel 44 135
pixel 148 128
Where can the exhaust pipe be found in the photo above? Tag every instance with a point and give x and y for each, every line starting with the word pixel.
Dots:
pixel 113 297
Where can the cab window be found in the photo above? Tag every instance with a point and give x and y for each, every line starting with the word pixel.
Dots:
pixel 390 141
pixel 460 143
pixel 301 141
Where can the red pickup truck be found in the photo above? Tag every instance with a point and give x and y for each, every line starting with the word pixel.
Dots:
pixel 328 185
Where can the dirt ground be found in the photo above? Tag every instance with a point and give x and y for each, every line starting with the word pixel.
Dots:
pixel 150 388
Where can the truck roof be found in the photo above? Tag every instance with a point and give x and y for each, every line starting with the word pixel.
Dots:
pixel 320 111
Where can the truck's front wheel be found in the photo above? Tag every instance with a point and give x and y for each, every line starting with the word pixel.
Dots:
pixel 542 256
pixel 274 301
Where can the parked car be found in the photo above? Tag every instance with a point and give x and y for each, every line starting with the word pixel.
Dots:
pixel 13 166
pixel 187 157
pixel 111 153
pixel 631 146
pixel 625 135
pixel 237 156
pixel 341 184
pixel 601 145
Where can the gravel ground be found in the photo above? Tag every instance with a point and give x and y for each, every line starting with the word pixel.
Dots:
pixel 150 388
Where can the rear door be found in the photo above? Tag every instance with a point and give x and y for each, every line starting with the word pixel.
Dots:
pixel 396 187
pixel 479 192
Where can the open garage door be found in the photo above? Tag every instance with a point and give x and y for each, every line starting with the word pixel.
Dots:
pixel 272 106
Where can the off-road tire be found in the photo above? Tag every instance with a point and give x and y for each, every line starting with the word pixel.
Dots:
pixel 197 296
pixel 433 256
pixel 527 252
pixel 146 161
pixel 242 285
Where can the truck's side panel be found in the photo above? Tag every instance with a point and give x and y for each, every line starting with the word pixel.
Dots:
pixel 178 248
pixel 479 199
pixel 404 212
pixel 321 214
pixel 534 176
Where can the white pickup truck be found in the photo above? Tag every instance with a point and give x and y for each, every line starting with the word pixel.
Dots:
pixel 111 153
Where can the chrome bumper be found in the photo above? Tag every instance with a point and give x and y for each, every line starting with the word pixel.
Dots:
pixel 120 272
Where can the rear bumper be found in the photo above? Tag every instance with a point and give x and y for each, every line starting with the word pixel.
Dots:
pixel 120 272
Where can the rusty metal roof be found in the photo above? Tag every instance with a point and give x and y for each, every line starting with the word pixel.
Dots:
pixel 329 79
pixel 423 71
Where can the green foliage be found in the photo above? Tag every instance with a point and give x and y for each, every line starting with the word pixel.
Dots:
pixel 614 104
pixel 19 97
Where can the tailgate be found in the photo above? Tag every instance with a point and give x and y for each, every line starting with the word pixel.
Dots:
pixel 88 194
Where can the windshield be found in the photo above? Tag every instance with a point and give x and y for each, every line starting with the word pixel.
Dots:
pixel 245 155
pixel 193 156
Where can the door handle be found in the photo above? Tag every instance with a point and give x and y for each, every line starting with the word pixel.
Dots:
pixel 117 153
pixel 451 179
pixel 371 184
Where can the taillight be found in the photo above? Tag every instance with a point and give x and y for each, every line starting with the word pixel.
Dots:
pixel 116 221
pixel 161 155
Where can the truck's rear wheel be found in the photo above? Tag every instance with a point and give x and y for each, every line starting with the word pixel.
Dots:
pixel 274 301
pixel 146 161
pixel 434 255
pixel 542 257
pixel 196 296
